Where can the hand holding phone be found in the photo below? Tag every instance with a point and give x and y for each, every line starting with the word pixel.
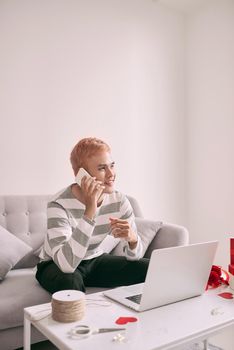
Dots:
pixel 92 191
pixel 81 173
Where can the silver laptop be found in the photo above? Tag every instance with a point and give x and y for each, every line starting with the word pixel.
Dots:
pixel 174 274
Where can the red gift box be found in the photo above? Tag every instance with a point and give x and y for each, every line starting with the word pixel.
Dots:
pixel 231 269
pixel 231 265
pixel 231 251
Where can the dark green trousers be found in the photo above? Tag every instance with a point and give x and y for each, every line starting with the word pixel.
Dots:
pixel 107 271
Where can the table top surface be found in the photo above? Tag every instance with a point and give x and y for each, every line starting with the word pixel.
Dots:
pixel 166 327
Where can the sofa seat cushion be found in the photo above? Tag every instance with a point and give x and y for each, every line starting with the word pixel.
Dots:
pixel 18 290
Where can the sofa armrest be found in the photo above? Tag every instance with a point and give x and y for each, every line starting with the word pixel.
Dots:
pixel 169 235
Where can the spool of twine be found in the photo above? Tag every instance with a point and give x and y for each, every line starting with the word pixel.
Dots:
pixel 68 306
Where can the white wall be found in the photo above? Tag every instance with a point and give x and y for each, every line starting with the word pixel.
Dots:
pixel 108 68
pixel 211 125
pixel 116 70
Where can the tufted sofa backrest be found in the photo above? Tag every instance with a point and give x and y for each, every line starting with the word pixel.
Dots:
pixel 26 218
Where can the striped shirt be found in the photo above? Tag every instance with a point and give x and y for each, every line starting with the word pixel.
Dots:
pixel 72 237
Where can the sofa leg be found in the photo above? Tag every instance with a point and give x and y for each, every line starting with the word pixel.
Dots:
pixel 27 333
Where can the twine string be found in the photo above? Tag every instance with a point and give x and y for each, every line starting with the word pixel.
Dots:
pixel 65 310
pixel 68 310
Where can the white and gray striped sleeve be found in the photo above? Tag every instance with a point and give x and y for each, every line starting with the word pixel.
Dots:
pixel 127 214
pixel 67 247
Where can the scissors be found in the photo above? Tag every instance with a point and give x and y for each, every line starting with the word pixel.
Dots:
pixel 84 331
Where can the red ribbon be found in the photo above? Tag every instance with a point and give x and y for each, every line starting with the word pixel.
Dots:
pixel 216 279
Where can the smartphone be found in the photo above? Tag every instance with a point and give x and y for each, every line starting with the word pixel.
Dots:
pixel 81 173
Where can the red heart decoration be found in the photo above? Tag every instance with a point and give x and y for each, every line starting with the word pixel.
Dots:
pixel 226 295
pixel 125 320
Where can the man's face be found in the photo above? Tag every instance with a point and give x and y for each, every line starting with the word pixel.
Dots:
pixel 102 166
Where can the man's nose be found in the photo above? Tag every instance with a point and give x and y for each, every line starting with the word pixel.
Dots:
pixel 109 172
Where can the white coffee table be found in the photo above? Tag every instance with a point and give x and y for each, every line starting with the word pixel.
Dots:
pixel 169 327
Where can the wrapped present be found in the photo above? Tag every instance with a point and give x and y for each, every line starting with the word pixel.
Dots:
pixel 231 265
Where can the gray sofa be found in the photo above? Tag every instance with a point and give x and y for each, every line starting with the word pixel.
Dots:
pixel 25 218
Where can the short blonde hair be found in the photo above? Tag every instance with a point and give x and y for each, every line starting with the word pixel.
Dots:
pixel 84 149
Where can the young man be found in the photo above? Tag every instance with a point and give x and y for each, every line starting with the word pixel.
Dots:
pixel 81 219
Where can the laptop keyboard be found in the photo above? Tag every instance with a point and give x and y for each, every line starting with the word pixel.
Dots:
pixel 135 298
